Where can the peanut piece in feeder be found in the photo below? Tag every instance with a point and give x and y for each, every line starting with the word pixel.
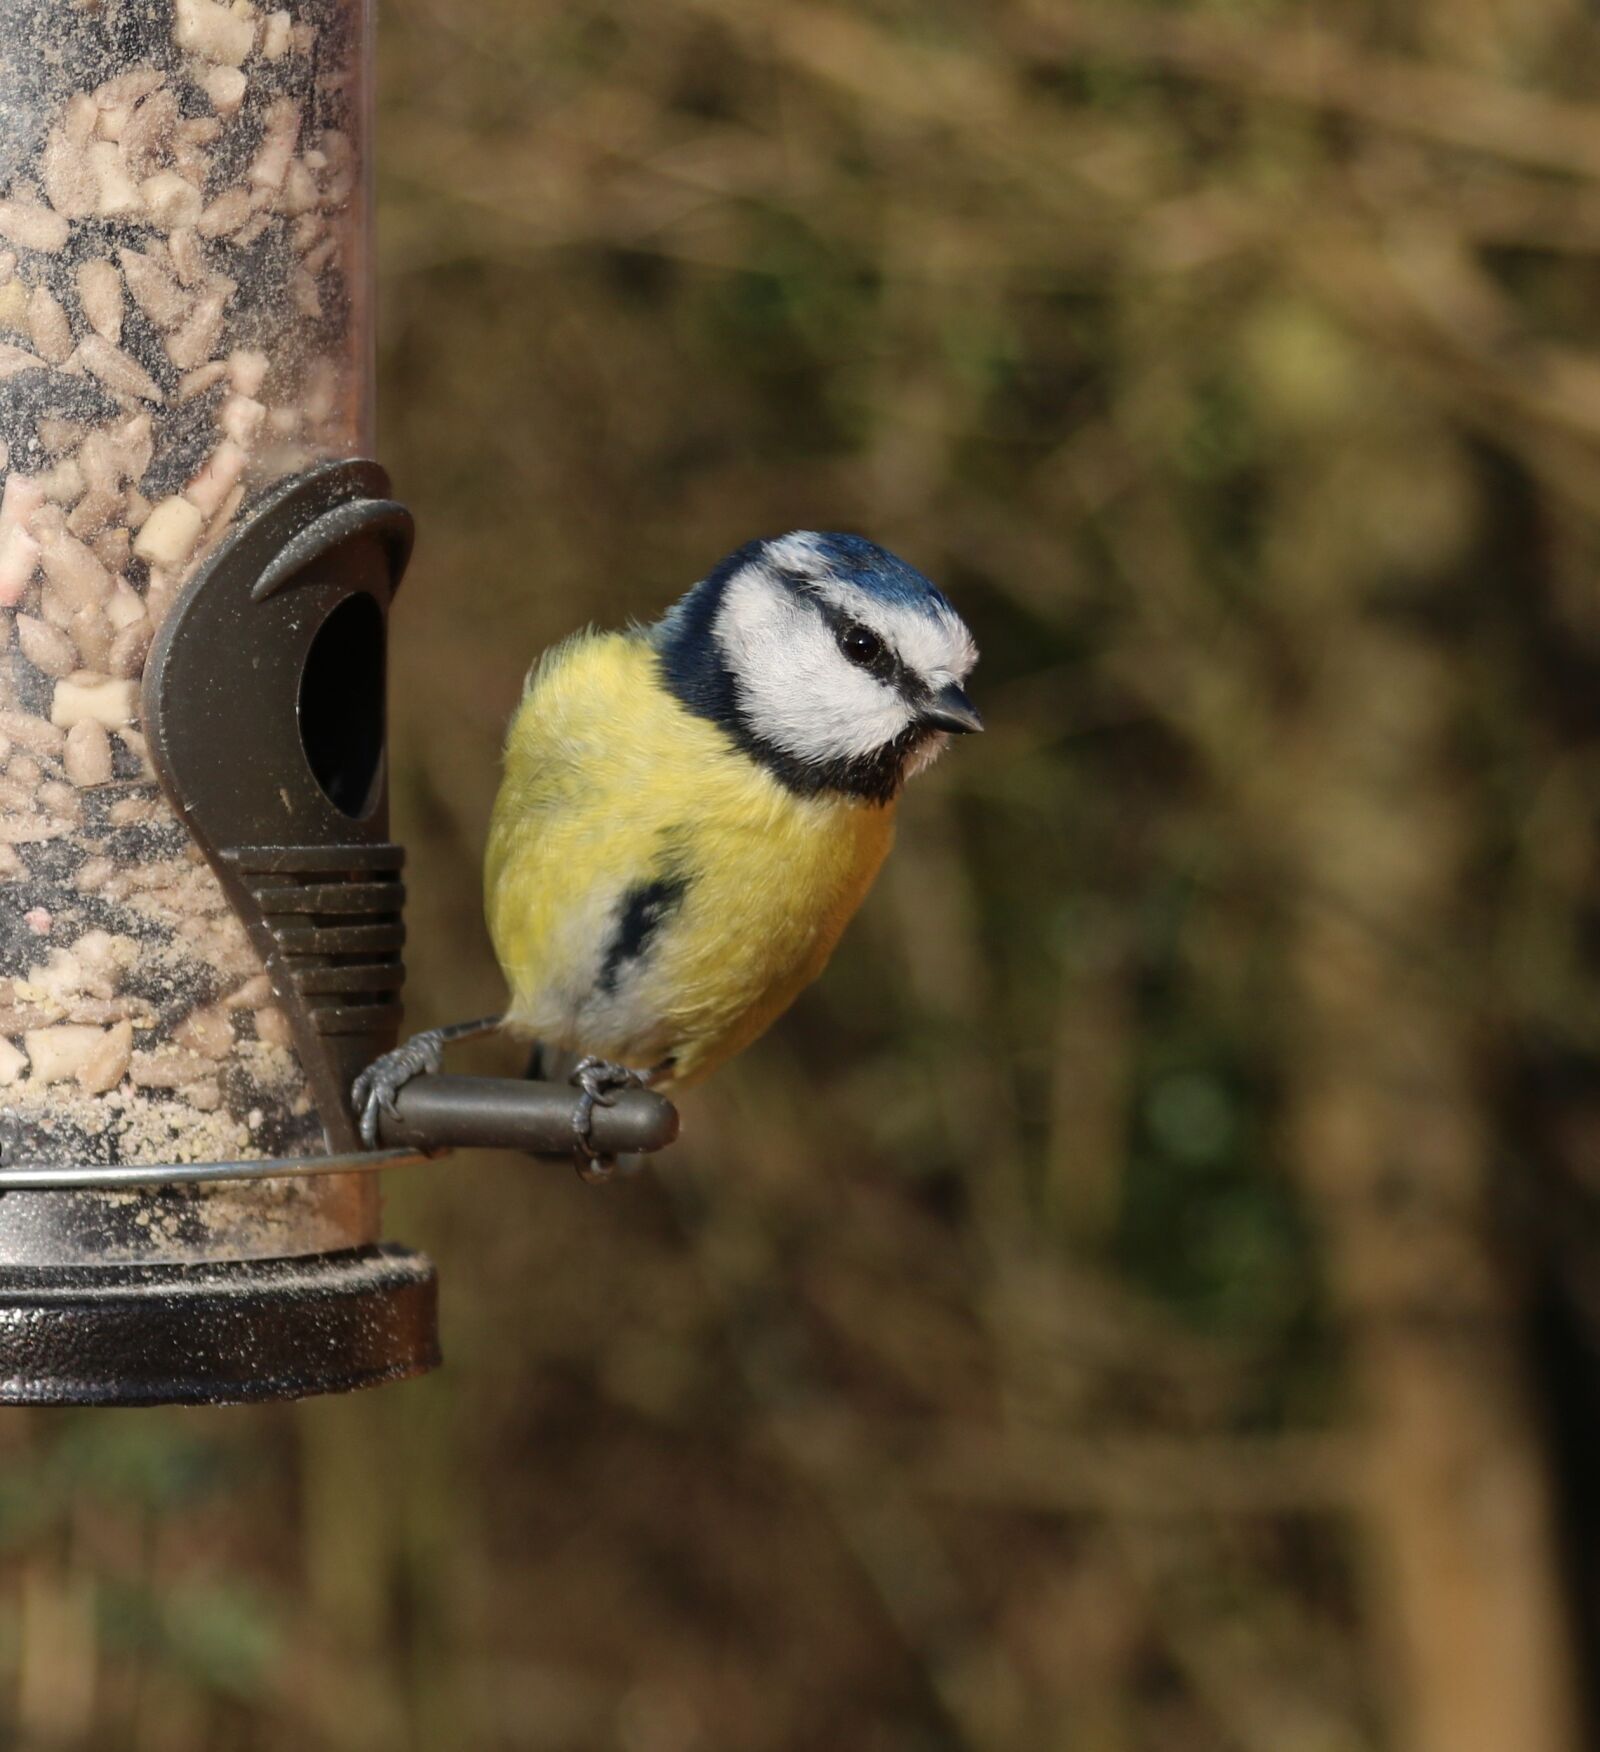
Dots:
pixel 120 372
pixel 62 1051
pixel 15 359
pixel 156 293
pixel 30 226
pixel 100 296
pixel 47 650
pixel 87 755
pixel 48 327
pixel 116 195
pixel 169 532
pixel 98 698
pixel 107 1063
pixel 225 86
pixel 213 32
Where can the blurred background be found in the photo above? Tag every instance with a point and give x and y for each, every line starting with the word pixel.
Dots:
pixel 1147 1297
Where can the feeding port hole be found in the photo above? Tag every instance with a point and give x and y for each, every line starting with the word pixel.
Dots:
pixel 342 705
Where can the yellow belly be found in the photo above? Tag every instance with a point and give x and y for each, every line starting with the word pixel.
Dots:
pixel 608 783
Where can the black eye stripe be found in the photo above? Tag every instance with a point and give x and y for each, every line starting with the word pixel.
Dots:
pixel 879 659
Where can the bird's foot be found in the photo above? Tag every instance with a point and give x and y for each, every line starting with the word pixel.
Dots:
pixel 598 1080
pixel 373 1092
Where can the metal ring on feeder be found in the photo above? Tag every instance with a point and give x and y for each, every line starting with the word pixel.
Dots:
pixel 102 1177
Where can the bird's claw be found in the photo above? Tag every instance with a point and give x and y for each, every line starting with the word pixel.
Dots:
pixel 598 1082
pixel 373 1092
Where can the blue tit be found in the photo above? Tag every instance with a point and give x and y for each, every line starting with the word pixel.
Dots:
pixel 692 811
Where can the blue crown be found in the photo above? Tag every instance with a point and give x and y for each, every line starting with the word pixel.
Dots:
pixel 879 573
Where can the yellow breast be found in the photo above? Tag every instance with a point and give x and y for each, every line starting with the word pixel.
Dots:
pixel 612 789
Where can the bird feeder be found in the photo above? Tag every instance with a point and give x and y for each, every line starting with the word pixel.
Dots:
pixel 200 907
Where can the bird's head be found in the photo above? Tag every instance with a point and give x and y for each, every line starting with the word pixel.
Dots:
pixel 833 662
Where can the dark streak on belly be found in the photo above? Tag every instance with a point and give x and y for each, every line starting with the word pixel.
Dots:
pixel 641 914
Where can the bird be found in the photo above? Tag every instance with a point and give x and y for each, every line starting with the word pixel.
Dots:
pixel 691 811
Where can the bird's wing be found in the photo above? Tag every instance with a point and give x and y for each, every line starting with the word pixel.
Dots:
pixel 577 876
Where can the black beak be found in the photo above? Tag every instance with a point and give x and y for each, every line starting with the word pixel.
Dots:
pixel 950 709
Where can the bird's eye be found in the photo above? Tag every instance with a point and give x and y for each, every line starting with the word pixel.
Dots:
pixel 860 644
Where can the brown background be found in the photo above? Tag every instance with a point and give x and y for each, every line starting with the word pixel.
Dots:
pixel 1141 1298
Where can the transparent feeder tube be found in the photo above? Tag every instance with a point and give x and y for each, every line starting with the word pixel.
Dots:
pixel 185 318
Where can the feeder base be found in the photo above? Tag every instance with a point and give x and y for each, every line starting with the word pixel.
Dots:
pixel 222 1333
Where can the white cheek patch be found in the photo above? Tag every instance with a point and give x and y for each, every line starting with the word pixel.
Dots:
pixel 796 689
